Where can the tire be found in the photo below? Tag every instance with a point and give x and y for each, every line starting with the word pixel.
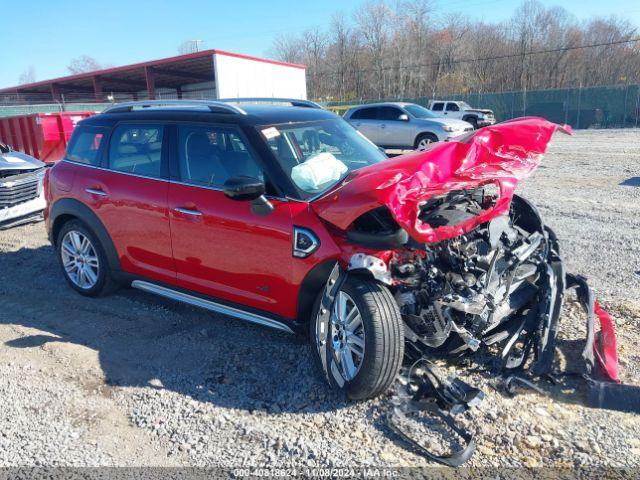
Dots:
pixel 473 121
pixel 424 140
pixel 93 259
pixel 383 334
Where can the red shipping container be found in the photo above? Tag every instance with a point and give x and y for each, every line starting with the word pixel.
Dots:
pixel 41 135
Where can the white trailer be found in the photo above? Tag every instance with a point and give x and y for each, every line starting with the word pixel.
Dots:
pixel 237 76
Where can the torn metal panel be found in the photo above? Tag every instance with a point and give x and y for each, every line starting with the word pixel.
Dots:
pixel 490 162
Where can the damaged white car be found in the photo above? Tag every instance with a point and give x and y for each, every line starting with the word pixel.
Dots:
pixel 21 197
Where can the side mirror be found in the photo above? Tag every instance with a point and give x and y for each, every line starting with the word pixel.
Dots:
pixel 243 188
pixel 403 117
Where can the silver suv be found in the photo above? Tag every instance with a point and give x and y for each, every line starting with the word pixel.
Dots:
pixel 397 125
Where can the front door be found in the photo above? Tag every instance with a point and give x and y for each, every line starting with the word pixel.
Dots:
pixel 220 247
pixel 395 132
pixel 453 110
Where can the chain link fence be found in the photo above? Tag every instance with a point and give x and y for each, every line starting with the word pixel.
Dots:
pixel 615 106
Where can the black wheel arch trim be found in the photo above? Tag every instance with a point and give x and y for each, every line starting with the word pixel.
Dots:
pixel 76 209
pixel 313 283
pixel 424 134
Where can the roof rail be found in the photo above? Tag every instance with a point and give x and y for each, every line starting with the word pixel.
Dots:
pixel 214 106
pixel 294 102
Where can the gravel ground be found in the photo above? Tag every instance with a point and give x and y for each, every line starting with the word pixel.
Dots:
pixel 133 380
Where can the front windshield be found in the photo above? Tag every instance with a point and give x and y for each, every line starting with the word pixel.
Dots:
pixel 419 112
pixel 317 155
pixel 465 106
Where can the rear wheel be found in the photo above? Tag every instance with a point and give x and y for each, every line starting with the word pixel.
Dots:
pixel 424 140
pixel 365 338
pixel 84 263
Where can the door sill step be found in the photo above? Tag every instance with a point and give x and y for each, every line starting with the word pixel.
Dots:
pixel 209 305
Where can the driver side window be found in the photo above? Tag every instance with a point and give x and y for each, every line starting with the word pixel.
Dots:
pixel 390 113
pixel 210 155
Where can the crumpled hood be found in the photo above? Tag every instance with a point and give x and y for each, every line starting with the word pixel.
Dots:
pixel 479 110
pixel 502 154
pixel 19 161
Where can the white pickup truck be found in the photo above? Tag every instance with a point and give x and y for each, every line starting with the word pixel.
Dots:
pixel 461 110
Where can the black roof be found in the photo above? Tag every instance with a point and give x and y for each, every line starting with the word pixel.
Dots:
pixel 255 115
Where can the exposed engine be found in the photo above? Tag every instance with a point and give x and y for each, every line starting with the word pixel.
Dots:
pixel 455 294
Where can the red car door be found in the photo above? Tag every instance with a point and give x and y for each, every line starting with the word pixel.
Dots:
pixel 220 247
pixel 129 195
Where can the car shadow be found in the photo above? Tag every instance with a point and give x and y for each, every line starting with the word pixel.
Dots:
pixel 146 341
pixel 631 182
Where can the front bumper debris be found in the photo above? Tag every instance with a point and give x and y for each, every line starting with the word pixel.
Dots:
pixel 527 359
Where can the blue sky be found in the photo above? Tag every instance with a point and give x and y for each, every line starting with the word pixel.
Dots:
pixel 49 34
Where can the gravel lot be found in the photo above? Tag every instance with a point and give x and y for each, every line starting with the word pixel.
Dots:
pixel 131 379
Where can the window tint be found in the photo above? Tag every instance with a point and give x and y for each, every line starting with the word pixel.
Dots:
pixel 209 155
pixel 136 149
pixel 438 107
pixel 86 145
pixel 452 107
pixel 389 113
pixel 365 114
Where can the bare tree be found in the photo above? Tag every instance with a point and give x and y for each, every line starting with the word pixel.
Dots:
pixel 374 21
pixel 85 63
pixel 28 76
pixel 287 48
pixel 407 49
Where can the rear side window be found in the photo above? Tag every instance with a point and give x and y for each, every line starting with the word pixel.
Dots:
pixel 137 149
pixel 438 107
pixel 365 114
pixel 452 107
pixel 86 145
pixel 210 155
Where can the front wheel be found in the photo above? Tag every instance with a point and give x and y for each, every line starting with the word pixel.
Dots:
pixel 424 140
pixel 365 338
pixel 473 121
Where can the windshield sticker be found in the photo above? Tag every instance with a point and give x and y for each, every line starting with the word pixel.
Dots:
pixel 270 132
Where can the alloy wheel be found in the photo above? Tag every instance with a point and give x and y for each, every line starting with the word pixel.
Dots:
pixel 347 336
pixel 79 259
pixel 424 143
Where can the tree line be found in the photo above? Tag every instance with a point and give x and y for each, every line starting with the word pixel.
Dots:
pixel 408 50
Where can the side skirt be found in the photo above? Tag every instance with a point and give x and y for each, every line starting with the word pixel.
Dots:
pixel 209 305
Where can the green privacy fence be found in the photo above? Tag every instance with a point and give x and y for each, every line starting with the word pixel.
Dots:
pixel 13 110
pixel 616 106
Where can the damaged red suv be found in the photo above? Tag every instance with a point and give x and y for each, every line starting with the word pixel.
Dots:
pixel 286 216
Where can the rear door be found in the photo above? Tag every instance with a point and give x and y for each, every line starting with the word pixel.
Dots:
pixel 367 122
pixel 220 247
pixel 128 191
